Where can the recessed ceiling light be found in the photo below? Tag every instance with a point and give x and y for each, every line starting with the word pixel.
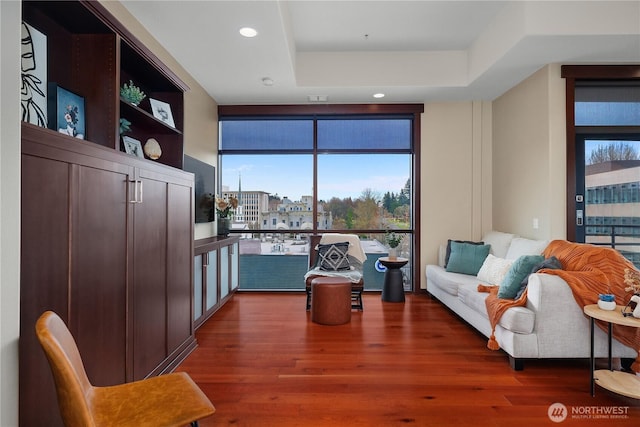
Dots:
pixel 378 95
pixel 248 32
pixel 267 81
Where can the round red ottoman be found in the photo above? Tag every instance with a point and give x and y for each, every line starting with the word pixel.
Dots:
pixel 330 300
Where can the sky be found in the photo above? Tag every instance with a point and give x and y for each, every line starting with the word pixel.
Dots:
pixel 339 176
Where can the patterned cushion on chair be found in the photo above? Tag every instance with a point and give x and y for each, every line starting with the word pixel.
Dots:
pixel 333 257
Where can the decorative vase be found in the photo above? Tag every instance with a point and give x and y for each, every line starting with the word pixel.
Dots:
pixel 393 253
pixel 223 226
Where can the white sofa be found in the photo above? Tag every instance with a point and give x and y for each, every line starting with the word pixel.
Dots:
pixel 551 325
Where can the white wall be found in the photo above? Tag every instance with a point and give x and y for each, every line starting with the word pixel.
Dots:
pixel 455 164
pixel 529 157
pixel 9 210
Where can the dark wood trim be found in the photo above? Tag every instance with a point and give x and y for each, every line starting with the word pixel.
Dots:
pixel 573 73
pixel 108 19
pixel 326 109
pixel 201 246
pixel 571 160
pixel 589 72
pixel 416 215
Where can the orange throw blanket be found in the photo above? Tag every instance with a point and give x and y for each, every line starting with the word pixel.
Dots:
pixel 589 270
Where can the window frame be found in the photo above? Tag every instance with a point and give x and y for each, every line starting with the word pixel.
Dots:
pixel 345 111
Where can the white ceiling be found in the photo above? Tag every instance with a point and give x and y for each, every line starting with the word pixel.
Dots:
pixel 413 51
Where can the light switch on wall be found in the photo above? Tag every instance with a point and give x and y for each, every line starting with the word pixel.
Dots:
pixel 536 224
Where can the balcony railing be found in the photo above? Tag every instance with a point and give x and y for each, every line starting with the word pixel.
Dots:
pixel 278 261
pixel 624 238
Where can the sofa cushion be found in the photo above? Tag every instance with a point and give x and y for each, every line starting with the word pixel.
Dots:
pixel 449 282
pixel 499 242
pixel 467 258
pixel 519 320
pixel 520 246
pixel 520 269
pixel 447 254
pixel 552 263
pixel 494 269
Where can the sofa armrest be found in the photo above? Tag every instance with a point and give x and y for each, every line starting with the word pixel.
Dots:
pixel 560 321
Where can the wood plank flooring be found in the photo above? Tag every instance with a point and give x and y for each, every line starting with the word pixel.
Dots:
pixel 262 362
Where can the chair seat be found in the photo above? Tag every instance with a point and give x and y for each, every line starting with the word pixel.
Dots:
pixel 154 402
pixel 171 400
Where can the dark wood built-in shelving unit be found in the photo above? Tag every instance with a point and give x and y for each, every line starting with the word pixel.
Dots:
pixel 106 237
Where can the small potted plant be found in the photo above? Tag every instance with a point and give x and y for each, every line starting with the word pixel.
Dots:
pixel 125 125
pixel 607 301
pixel 393 240
pixel 132 93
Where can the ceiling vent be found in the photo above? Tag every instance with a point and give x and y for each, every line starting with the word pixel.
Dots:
pixel 317 98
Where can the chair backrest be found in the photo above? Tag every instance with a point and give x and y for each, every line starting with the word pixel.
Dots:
pixel 72 384
pixel 355 247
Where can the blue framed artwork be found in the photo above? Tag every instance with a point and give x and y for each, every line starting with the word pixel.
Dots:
pixel 66 112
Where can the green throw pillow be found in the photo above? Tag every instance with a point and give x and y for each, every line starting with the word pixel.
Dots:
pixel 467 258
pixel 520 269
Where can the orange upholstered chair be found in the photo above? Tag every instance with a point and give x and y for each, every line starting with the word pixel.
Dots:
pixel 167 400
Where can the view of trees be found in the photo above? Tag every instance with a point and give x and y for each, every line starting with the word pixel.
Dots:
pixel 370 210
pixel 612 152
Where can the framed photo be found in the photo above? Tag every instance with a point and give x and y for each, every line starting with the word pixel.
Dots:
pixel 66 111
pixel 132 146
pixel 162 111
pixel 33 102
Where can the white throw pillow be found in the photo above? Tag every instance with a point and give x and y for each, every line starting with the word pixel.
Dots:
pixel 494 269
pixel 520 246
pixel 499 242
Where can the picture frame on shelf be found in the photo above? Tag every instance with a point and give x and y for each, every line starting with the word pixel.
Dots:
pixel 33 101
pixel 162 111
pixel 132 146
pixel 66 111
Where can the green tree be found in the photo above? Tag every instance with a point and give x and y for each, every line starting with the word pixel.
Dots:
pixel 367 210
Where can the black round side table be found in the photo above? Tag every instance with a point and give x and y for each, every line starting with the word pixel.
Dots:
pixel 393 289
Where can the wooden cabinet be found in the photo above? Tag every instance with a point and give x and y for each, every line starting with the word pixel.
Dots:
pixel 106 237
pixel 216 275
pixel 106 243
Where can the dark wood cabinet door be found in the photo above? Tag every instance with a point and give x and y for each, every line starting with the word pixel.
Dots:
pixel 99 253
pixel 149 277
pixel 44 274
pixel 179 270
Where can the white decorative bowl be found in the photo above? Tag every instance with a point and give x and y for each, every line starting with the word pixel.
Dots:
pixel 607 305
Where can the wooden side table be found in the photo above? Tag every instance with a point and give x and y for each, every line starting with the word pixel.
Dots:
pixel 393 289
pixel 619 382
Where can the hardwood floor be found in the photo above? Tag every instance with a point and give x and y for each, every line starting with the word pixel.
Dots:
pixel 262 362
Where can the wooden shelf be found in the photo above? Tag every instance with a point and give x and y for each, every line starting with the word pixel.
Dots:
pixel 618 382
pixel 92 55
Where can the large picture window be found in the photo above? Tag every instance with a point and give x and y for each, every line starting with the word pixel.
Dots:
pixel 306 174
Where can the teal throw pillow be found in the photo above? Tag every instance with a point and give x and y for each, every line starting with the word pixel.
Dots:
pixel 520 269
pixel 467 258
